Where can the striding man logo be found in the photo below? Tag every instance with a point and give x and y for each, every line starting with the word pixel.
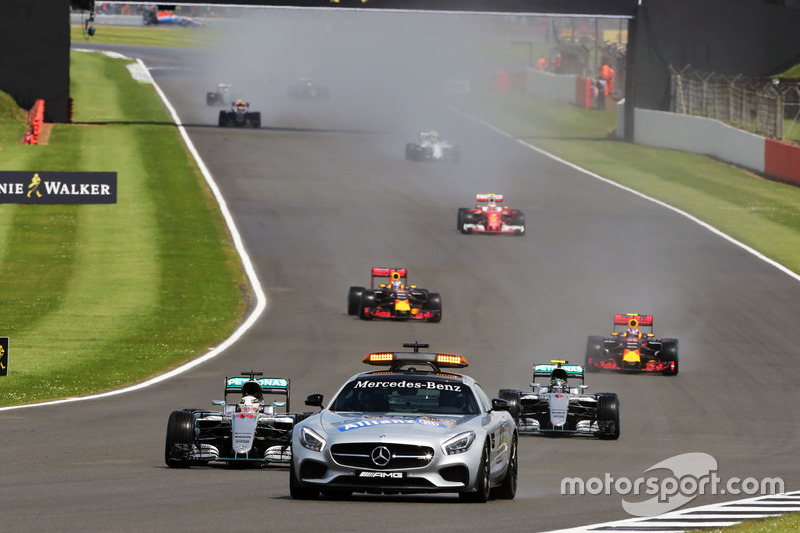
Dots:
pixel 32 188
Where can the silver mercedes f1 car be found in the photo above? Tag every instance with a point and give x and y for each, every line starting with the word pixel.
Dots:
pixel 557 408
pixel 410 427
pixel 249 427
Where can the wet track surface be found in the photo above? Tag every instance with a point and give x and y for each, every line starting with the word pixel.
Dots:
pixel 321 194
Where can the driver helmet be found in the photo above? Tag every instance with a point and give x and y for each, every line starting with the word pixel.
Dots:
pixel 240 105
pixel 397 283
pixel 558 385
pixel 248 404
pixel 633 327
pixel 492 201
pixel 434 136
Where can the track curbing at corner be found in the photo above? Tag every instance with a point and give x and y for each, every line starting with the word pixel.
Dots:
pixel 258 291
pixel 716 515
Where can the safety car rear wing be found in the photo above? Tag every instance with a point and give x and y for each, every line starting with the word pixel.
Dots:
pixel 487 197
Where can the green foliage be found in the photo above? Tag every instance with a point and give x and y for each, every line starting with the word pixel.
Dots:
pixel 171 36
pixel 788 523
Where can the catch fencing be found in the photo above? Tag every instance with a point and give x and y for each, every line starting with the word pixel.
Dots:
pixel 768 107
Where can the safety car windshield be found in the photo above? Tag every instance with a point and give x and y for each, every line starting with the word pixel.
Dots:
pixel 403 394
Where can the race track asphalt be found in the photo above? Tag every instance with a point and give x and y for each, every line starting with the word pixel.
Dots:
pixel 321 194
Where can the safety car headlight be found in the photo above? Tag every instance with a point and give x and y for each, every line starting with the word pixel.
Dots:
pixel 459 444
pixel 311 439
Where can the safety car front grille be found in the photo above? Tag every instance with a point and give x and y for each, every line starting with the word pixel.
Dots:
pixel 402 456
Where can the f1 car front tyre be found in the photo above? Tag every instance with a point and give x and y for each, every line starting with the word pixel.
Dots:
pixel 669 354
pixel 434 303
pixel 411 152
pixel 608 411
pixel 180 437
pixel 519 220
pixel 469 218
pixel 512 397
pixel 354 300
pixel 367 300
pixel 461 211
pixel 254 118
pixel 594 351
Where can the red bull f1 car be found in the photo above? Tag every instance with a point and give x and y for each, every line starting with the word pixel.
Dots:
pixel 632 347
pixel 558 408
pixel 249 427
pixel 490 217
pixel 395 299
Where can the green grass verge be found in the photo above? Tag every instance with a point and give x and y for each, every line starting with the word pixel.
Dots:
pixel 172 36
pixel 788 523
pixel 98 296
pixel 761 213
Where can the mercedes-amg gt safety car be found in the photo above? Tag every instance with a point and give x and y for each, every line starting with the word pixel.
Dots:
pixel 395 299
pixel 488 216
pixel 249 427
pixel 221 95
pixel 306 89
pixel 413 426
pixel 240 116
pixel 432 148
pixel 556 408
pixel 632 347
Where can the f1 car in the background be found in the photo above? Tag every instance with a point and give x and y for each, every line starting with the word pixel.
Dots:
pixel 490 217
pixel 221 95
pixel 394 299
pixel 306 89
pixel 249 427
pixel 557 408
pixel 412 425
pixel 239 116
pixel 631 349
pixel 152 17
pixel 432 148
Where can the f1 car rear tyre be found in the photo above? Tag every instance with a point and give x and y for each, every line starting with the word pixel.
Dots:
pixel 669 353
pixel 594 351
pixel 608 411
pixel 434 303
pixel 512 397
pixel 508 487
pixel 354 300
pixel 367 300
pixel 482 485
pixel 297 490
pixel 180 437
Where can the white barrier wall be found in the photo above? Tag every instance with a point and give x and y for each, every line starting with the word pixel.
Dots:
pixel 700 136
pixel 550 86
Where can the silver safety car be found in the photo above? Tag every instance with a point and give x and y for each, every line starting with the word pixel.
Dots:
pixel 411 427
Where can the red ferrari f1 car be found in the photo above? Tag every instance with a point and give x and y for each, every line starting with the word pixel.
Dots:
pixel 631 349
pixel 395 299
pixel 490 217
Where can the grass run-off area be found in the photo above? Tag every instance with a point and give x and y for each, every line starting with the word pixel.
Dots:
pixel 99 296
pixel 171 36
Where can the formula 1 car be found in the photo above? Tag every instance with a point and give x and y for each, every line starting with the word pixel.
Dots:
pixel 152 17
pixel 395 299
pixel 248 429
pixel 411 426
pixel 432 148
pixel 558 409
pixel 220 96
pixel 239 116
pixel 491 218
pixel 306 89
pixel 628 349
